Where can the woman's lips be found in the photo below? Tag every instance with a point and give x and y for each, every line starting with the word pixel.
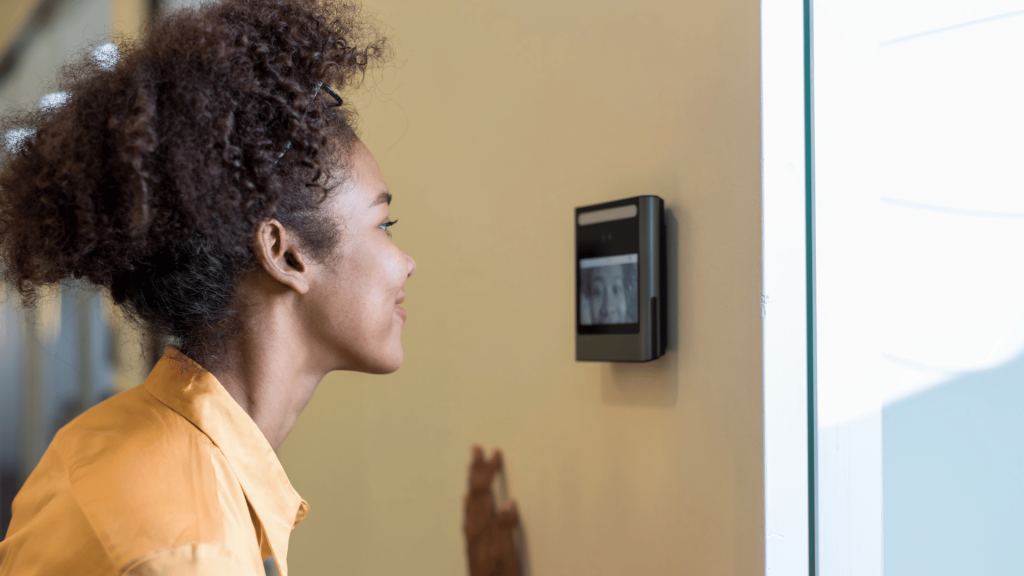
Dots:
pixel 401 313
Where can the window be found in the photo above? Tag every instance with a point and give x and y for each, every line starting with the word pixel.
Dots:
pixel 918 148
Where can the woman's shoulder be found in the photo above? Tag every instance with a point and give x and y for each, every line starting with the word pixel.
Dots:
pixel 141 474
pixel 130 429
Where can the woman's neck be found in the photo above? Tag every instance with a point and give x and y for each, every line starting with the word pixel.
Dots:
pixel 270 370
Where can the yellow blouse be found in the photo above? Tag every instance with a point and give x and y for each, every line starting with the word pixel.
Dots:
pixel 171 477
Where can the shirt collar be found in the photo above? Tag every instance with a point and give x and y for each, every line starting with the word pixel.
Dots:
pixel 197 395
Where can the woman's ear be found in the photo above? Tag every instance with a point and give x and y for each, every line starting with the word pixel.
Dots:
pixel 278 253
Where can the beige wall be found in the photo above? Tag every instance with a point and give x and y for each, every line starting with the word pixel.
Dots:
pixel 495 120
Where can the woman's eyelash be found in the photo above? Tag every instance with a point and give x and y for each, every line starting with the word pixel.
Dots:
pixel 387 225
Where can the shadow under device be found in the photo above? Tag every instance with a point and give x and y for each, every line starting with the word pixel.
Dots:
pixel 621 277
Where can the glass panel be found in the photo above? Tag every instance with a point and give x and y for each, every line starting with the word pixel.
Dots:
pixel 919 141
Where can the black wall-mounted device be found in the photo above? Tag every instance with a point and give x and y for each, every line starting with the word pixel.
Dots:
pixel 621 290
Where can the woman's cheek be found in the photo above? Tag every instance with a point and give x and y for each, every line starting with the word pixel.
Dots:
pixel 388 280
pixel 394 268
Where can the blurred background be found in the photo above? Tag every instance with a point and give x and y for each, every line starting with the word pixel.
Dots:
pixel 74 349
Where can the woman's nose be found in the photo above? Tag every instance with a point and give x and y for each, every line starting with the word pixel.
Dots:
pixel 410 263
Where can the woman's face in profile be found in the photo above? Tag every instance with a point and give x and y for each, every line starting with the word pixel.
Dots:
pixel 608 296
pixel 357 312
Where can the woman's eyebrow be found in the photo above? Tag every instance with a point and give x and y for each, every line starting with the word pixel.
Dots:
pixel 384 198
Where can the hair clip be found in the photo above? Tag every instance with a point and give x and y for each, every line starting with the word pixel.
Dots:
pixel 334 95
pixel 338 102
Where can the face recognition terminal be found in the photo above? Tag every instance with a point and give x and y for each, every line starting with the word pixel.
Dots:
pixel 621 313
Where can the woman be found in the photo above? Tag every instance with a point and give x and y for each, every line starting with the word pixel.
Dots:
pixel 211 180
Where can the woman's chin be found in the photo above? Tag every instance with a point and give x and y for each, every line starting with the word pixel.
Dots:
pixel 385 364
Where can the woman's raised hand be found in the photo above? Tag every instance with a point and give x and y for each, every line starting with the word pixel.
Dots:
pixel 490 544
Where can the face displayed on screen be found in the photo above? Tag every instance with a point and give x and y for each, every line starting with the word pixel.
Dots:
pixel 608 296
pixel 608 292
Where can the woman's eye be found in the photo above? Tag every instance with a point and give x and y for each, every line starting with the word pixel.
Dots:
pixel 387 225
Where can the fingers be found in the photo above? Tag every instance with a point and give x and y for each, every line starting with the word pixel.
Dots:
pixel 478 513
pixel 479 473
pixel 482 471
pixel 479 458
pixel 508 515
pixel 491 533
pixel 497 461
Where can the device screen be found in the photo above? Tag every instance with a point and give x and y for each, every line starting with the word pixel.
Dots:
pixel 608 290
pixel 607 268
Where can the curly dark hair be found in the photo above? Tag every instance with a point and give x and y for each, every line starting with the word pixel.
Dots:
pixel 151 178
